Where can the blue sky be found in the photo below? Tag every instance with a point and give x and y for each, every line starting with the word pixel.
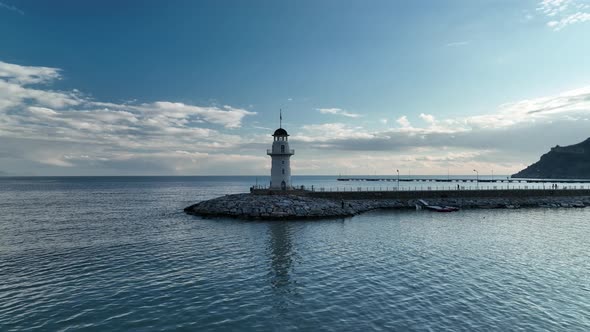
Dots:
pixel 194 87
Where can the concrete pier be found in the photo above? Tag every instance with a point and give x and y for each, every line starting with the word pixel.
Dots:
pixel 301 204
pixel 472 193
pixel 459 180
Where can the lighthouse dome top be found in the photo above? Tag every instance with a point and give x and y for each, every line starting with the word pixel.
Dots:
pixel 280 132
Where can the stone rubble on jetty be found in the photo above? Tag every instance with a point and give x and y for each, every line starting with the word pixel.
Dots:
pixel 279 207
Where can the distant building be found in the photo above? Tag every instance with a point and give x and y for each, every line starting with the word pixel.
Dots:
pixel 280 172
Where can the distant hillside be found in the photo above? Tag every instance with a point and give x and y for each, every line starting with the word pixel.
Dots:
pixel 562 162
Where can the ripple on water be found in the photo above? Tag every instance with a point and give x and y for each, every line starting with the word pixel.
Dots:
pixel 122 257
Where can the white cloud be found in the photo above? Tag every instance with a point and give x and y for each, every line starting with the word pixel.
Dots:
pixel 404 122
pixel 15 87
pixel 578 17
pixel 562 13
pixel 30 111
pixel 226 116
pixel 11 8
pixel 331 131
pixel 515 134
pixel 27 74
pixel 428 118
pixel 458 43
pixel 47 130
pixel 55 161
pixel 42 111
pixel 553 7
pixel 338 111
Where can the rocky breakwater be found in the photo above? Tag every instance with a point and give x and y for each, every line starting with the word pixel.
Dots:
pixel 280 207
pixel 514 202
pixel 248 206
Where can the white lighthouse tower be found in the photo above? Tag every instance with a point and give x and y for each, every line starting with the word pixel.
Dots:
pixel 280 172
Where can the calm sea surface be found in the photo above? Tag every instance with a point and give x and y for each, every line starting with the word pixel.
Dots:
pixel 110 254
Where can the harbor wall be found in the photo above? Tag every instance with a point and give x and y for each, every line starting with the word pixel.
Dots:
pixel 289 204
pixel 418 194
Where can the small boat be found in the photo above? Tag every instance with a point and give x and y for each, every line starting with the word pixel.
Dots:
pixel 422 204
pixel 437 208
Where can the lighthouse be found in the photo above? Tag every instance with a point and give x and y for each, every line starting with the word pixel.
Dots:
pixel 280 154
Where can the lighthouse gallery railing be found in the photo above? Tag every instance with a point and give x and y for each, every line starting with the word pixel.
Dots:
pixel 290 151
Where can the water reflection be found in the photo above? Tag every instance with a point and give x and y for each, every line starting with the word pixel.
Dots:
pixel 281 256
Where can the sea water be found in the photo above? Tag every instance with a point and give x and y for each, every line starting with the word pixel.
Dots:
pixel 118 254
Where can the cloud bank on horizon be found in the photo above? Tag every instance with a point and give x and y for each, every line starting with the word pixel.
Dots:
pixel 69 132
pixel 69 129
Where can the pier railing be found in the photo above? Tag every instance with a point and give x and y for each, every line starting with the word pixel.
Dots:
pixel 432 188
pixel 464 180
pixel 376 193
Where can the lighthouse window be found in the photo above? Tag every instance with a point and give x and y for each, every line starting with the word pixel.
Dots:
pixel 283 162
pixel 282 148
pixel 283 171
